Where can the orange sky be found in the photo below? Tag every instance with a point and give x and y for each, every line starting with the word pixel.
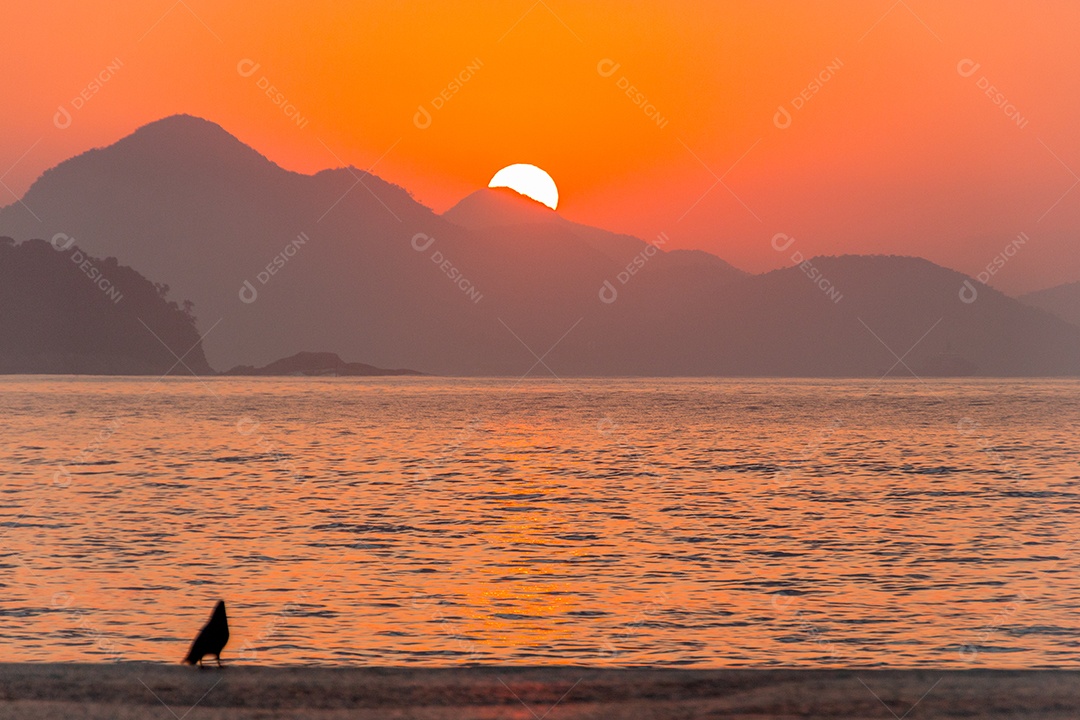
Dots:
pixel 898 152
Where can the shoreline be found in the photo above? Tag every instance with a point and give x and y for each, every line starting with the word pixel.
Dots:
pixel 137 690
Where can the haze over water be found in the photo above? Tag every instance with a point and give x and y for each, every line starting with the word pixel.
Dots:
pixel 708 523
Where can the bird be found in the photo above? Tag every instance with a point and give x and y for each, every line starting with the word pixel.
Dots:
pixel 211 639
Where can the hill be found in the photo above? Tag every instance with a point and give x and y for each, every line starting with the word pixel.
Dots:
pixel 64 311
pixel 1061 300
pixel 276 261
pixel 318 364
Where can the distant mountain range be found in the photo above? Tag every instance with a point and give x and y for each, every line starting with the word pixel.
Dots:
pixel 1061 300
pixel 277 262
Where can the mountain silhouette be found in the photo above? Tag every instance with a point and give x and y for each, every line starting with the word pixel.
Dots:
pixel 1060 300
pixel 315 364
pixel 493 207
pixel 65 311
pixel 501 212
pixel 204 213
pixel 498 284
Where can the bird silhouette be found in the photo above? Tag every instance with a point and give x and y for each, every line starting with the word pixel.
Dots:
pixel 211 639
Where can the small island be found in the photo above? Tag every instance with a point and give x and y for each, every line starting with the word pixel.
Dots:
pixel 317 364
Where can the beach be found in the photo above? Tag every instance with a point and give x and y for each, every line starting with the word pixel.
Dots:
pixel 146 690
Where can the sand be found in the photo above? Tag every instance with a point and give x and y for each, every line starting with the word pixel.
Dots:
pixel 141 690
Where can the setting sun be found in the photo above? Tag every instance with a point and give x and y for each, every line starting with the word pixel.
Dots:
pixel 530 181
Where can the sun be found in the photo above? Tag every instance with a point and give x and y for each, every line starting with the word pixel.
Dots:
pixel 528 180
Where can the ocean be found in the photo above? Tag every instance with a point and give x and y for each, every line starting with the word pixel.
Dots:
pixel 605 522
